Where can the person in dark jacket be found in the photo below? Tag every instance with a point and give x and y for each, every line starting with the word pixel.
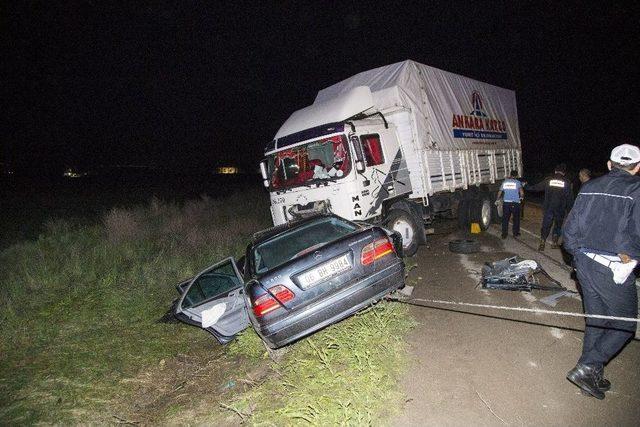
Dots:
pixel 558 198
pixel 584 175
pixel 602 232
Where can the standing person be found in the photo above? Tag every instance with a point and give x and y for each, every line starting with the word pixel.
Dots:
pixel 584 175
pixel 558 198
pixel 603 235
pixel 511 188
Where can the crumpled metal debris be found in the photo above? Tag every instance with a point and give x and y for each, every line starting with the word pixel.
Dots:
pixel 515 274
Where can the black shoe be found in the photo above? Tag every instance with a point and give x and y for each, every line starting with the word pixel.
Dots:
pixel 585 377
pixel 602 383
pixel 504 236
pixel 516 235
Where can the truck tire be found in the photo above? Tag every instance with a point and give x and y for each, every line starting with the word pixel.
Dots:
pixel 464 246
pixel 464 215
pixel 486 212
pixel 405 224
pixel 496 212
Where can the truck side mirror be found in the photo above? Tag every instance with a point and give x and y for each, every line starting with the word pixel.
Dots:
pixel 263 172
pixel 359 152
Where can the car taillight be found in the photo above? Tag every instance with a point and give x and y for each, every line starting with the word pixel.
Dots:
pixel 376 250
pixel 267 303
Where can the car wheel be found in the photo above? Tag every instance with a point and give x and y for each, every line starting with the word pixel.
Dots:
pixel 406 226
pixel 464 246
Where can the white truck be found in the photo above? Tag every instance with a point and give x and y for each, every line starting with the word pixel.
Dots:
pixel 399 145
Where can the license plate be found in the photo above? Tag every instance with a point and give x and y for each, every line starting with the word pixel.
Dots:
pixel 324 271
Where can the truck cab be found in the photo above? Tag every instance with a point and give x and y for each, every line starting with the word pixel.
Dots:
pixel 348 167
pixel 345 168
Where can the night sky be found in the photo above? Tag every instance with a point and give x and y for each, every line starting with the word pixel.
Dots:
pixel 189 85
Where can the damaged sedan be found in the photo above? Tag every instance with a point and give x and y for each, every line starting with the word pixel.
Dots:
pixel 294 280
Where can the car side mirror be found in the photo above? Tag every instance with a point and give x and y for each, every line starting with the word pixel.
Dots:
pixel 263 172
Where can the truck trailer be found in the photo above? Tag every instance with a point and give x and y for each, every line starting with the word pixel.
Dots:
pixel 400 145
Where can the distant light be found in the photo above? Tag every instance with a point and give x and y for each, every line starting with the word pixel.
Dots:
pixel 228 170
pixel 70 173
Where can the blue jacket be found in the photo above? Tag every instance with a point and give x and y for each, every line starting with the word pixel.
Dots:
pixel 606 216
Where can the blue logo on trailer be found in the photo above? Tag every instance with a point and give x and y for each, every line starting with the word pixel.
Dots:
pixel 478 124
pixel 476 101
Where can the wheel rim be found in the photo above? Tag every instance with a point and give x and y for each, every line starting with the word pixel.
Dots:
pixel 486 213
pixel 406 231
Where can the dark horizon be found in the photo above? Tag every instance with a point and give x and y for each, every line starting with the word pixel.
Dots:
pixel 189 86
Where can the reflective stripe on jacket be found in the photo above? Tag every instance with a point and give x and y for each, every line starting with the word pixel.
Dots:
pixel 558 194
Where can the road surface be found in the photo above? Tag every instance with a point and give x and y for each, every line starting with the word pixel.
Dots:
pixel 496 367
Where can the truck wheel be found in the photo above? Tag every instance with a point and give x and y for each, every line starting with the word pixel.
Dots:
pixel 486 213
pixel 405 224
pixel 463 215
pixel 496 213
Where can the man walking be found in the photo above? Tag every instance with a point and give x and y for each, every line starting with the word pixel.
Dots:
pixel 513 194
pixel 584 175
pixel 557 202
pixel 602 233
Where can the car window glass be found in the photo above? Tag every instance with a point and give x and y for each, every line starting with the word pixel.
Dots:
pixel 324 159
pixel 218 281
pixel 279 249
pixel 372 149
pixel 193 297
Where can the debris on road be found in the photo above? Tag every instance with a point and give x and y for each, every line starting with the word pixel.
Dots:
pixel 552 300
pixel 515 274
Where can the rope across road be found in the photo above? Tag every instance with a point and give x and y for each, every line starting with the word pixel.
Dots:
pixel 522 309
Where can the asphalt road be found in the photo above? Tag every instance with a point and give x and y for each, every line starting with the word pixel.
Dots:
pixel 486 367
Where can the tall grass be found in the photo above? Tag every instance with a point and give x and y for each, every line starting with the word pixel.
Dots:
pixel 346 374
pixel 79 306
pixel 78 320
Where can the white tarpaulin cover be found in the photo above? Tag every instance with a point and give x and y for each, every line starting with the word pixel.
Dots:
pixel 451 112
pixel 334 110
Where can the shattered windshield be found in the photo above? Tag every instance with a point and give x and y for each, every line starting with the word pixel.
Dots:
pixel 297 242
pixel 325 159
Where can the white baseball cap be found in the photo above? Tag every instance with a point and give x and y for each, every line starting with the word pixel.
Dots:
pixel 625 154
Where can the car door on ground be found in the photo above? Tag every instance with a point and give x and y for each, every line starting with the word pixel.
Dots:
pixel 214 300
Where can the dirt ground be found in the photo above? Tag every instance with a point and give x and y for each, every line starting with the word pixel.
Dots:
pixel 498 367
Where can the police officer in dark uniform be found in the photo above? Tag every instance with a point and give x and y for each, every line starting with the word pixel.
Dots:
pixel 602 232
pixel 558 198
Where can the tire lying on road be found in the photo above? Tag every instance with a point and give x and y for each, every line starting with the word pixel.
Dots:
pixel 464 246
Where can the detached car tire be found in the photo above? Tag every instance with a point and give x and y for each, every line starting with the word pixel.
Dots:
pixel 464 246
pixel 406 226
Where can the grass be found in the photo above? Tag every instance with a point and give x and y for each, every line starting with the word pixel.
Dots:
pixel 79 306
pixel 346 374
pixel 78 323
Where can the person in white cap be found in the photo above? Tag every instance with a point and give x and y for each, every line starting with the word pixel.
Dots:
pixel 602 232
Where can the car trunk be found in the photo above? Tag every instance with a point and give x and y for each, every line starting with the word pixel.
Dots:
pixel 331 258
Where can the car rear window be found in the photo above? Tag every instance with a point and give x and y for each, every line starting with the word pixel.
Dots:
pixel 298 241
